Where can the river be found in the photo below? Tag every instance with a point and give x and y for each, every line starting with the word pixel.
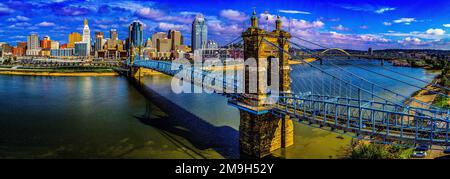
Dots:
pixel 108 117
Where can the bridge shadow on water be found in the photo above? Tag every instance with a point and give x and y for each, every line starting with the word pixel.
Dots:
pixel 201 134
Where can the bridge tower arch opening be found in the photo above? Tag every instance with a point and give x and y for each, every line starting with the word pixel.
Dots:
pixel 262 131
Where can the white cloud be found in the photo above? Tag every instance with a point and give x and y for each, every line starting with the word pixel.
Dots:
pixel 435 32
pixel 18 18
pixel 294 23
pixel 233 15
pixel 149 13
pixel 294 12
pixel 5 9
pixel 302 24
pixel 383 10
pixel 432 34
pixel 46 24
pixel 410 40
pixel 158 15
pixel 185 13
pixel 387 23
pixel 22 18
pixel 340 28
pixel 218 28
pixel 404 20
pixel 169 26
pixel 446 25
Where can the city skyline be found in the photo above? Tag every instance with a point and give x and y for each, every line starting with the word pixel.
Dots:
pixel 343 24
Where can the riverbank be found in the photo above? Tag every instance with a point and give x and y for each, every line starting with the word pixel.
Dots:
pixel 425 96
pixel 58 72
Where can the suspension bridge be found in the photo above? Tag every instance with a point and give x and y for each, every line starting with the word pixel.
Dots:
pixel 333 99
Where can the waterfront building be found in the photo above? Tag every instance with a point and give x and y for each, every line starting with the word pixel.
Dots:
pixel 98 44
pixel 177 39
pixel 54 52
pixel 6 50
pixel 74 37
pixel 211 50
pixel 81 49
pixel 20 50
pixel 112 48
pixel 370 51
pixel 212 45
pixel 22 45
pixel 66 52
pixel 87 37
pixel 54 45
pixel 163 47
pixel 46 43
pixel 199 32
pixel 33 47
pixel 156 36
pixel 44 53
pixel 148 43
pixel 135 35
pixel 113 34
pixel 63 46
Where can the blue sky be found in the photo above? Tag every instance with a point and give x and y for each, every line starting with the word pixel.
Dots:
pixel 346 24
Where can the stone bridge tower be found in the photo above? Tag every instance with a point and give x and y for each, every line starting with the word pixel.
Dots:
pixel 262 132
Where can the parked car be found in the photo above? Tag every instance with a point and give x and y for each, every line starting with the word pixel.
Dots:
pixel 447 151
pixel 422 148
pixel 419 154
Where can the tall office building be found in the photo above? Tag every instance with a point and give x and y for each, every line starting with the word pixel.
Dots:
pixel 22 45
pixel 176 38
pixel 98 44
pixel 54 45
pixel 199 32
pixel 46 43
pixel 135 38
pixel 87 36
pixel 74 37
pixel 21 49
pixel 113 35
pixel 81 49
pixel 33 48
pixel 156 36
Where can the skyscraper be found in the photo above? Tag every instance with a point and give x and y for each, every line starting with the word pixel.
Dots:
pixel 135 35
pixel 98 41
pixel 199 32
pixel 46 43
pixel 33 48
pixel 156 36
pixel 176 38
pixel 74 37
pixel 87 36
pixel 81 49
pixel 113 34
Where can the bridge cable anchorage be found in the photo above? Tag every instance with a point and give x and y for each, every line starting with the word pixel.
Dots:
pixel 352 74
pixel 409 84
pixel 400 105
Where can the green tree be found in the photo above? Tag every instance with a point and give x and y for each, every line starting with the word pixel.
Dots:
pixel 379 151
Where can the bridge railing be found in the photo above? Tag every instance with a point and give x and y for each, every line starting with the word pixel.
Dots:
pixel 368 120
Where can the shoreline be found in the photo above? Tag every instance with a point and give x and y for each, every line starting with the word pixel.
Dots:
pixel 52 72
